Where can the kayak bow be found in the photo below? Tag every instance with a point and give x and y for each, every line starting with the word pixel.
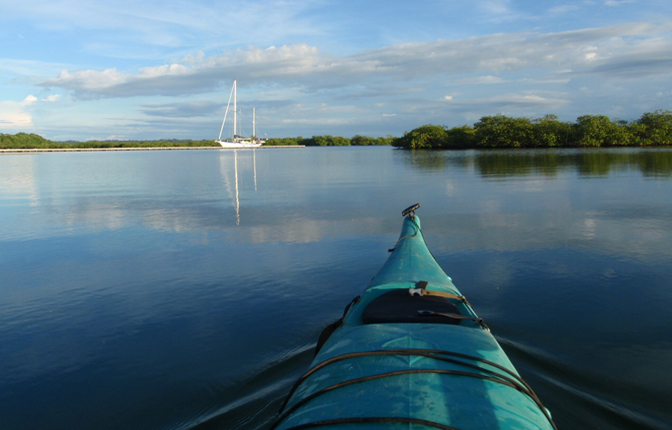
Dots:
pixel 411 353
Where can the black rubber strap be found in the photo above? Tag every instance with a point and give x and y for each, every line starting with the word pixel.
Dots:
pixel 426 292
pixel 516 382
pixel 430 353
pixel 316 394
pixel 454 317
pixel 372 420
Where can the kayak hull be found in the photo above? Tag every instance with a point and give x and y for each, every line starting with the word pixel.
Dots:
pixel 411 352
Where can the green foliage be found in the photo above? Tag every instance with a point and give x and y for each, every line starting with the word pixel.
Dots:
pixel 287 141
pixel 549 132
pixel 33 141
pixel 26 141
pixel 359 140
pixel 143 144
pixel 460 137
pixel 327 140
pixel 598 130
pixel 655 128
pixel 500 131
pixel 424 137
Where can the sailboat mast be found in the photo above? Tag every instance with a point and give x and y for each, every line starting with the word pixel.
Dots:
pixel 226 113
pixel 235 109
pixel 254 118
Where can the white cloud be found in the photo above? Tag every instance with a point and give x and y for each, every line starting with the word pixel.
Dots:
pixel 88 79
pixel 181 110
pixel 497 11
pixel 495 7
pixel 28 67
pixel 17 114
pixel 480 80
pixel 564 9
pixel 30 99
pixel 305 66
pixel 512 103
pixel 51 98
pixel 13 114
pixel 14 119
pixel 321 121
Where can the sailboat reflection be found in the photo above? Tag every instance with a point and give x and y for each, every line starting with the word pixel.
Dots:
pixel 233 189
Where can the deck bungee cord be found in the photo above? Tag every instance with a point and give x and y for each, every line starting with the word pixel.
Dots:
pixel 514 381
pixel 370 386
pixel 372 420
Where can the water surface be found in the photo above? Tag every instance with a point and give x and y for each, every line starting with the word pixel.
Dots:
pixel 186 289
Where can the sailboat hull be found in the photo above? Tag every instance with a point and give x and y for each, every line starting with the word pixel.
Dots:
pixel 230 144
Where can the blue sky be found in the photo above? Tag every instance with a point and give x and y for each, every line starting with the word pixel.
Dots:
pixel 94 69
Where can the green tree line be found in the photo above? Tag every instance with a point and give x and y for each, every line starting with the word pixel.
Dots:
pixel 499 131
pixel 34 141
pixel 328 140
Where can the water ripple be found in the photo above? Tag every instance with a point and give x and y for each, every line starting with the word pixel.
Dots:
pixel 587 395
pixel 259 395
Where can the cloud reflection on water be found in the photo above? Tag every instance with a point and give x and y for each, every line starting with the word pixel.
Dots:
pixel 498 200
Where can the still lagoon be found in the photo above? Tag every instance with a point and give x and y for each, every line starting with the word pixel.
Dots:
pixel 187 289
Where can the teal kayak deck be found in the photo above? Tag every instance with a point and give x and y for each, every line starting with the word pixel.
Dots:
pixel 383 366
pixel 411 261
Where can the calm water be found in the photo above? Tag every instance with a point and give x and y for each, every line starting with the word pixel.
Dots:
pixel 186 289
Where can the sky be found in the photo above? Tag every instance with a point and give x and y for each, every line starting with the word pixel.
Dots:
pixel 95 69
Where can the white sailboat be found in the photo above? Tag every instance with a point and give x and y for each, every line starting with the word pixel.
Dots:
pixel 238 141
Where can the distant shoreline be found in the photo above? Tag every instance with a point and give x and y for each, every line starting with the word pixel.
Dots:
pixel 158 148
pixel 35 141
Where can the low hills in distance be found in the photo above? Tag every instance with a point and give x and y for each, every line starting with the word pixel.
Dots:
pixel 498 131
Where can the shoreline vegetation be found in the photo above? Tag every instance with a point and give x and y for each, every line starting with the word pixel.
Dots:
pixel 34 141
pixel 329 140
pixel 499 131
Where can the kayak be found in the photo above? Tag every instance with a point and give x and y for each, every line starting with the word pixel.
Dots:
pixel 410 352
